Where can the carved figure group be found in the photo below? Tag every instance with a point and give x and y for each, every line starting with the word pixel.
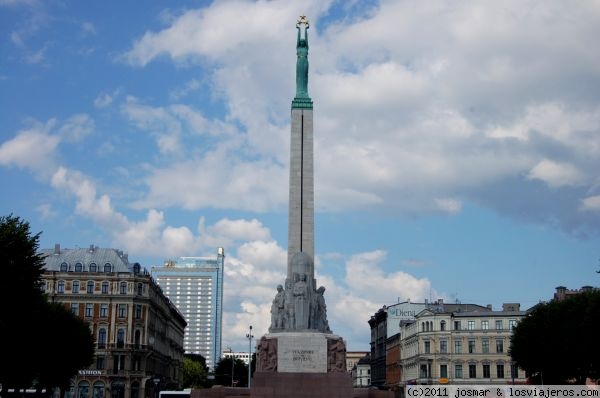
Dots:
pixel 267 355
pixel 299 306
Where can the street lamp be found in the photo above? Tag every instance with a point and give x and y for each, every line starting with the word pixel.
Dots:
pixel 249 337
pixel 156 380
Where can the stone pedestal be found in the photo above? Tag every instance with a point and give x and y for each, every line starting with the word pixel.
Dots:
pixel 301 385
pixel 301 364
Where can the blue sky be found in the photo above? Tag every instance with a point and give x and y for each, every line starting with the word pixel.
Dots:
pixel 457 144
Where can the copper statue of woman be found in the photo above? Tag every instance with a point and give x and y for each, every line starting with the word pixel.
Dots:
pixel 302 61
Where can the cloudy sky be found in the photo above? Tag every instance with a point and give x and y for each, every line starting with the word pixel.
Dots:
pixel 457 144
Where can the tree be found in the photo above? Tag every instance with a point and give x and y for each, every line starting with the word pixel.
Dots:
pixel 61 342
pixel 557 343
pixel 21 300
pixel 223 372
pixel 194 373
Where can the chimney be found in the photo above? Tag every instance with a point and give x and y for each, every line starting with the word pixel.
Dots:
pixel 511 307
pixel 91 248
pixel 489 307
pixel 57 249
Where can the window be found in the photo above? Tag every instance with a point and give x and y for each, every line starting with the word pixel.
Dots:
pixel 75 288
pixel 93 267
pixel 123 289
pixel 75 308
pixel 64 267
pixel 456 325
pixel 514 371
pixel 100 362
pixel 471 325
pixel 486 371
pixel 500 371
pixel 101 338
pixel 499 324
pixel 138 338
pixel 444 371
pixel 458 371
pixel 499 346
pixel 78 267
pixel 89 310
pixel 472 371
pixel 443 346
pixel 485 325
pixel 120 338
pixel 423 371
pixel 90 287
pixel 443 326
pixel 107 267
pixel 140 289
pixel 512 323
pixel 105 287
pixel 485 346
pixel 471 346
pixel 457 346
pixel 136 363
pixel 427 347
pixel 138 311
pixel 103 310
pixel 122 310
pixel 61 287
pixel 43 285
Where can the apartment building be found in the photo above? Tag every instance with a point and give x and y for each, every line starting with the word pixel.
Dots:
pixel 138 331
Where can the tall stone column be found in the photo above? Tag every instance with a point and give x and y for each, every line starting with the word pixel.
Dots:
pixel 301 200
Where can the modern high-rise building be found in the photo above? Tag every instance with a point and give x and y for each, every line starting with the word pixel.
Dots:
pixel 195 286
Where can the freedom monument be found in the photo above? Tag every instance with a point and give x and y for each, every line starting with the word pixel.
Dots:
pixel 300 356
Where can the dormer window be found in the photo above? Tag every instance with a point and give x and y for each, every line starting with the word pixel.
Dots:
pixel 64 267
pixel 78 267
pixel 107 267
pixel 93 267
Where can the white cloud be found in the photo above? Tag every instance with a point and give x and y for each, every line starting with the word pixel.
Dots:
pixel 76 127
pixel 88 28
pixel 105 99
pixel 46 211
pixel 32 149
pixel 591 203
pixel 449 205
pixel 216 30
pixel 188 87
pixel 242 184
pixel 556 174
pixel 35 57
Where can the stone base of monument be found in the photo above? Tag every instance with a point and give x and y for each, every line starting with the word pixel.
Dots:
pixel 301 364
pixel 302 385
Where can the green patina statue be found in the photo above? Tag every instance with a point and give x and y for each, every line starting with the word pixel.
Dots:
pixel 302 100
pixel 302 63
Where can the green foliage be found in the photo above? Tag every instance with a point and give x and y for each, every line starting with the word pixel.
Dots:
pixel 41 342
pixel 223 372
pixel 194 373
pixel 557 343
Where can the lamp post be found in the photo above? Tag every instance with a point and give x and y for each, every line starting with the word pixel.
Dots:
pixel 249 336
pixel 232 362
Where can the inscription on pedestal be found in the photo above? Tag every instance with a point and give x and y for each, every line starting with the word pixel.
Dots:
pixel 302 353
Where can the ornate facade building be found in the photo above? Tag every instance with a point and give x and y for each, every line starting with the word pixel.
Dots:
pixel 138 332
pixel 423 343
pixel 461 347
